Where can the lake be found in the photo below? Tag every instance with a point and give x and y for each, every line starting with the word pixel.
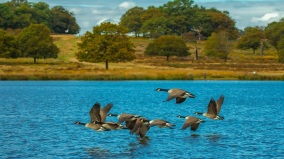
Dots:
pixel 37 119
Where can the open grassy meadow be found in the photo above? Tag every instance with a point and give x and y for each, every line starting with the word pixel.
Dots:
pixel 241 65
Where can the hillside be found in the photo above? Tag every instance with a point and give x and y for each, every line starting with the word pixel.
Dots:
pixel 241 65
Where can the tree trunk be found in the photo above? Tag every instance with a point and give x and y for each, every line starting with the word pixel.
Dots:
pixel 168 57
pixel 196 52
pixel 106 64
pixel 34 59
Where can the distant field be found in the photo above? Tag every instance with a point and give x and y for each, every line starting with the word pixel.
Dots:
pixel 241 65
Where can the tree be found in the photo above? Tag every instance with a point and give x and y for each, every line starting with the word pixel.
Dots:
pixel 107 43
pixel 64 21
pixel 156 26
pixel 34 41
pixel 132 19
pixel 217 45
pixel 7 45
pixel 167 46
pixel 252 38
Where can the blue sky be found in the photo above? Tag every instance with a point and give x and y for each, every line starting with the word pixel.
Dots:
pixel 90 13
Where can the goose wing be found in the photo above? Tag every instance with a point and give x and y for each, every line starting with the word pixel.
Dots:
pixel 104 111
pixel 189 121
pixel 212 107
pixel 95 112
pixel 136 126
pixel 143 129
pixel 180 100
pixel 219 103
pixel 124 117
pixel 175 92
pixel 194 126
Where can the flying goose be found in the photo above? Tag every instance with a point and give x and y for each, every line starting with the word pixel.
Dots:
pixel 97 115
pixel 123 117
pixel 141 127
pixel 191 122
pixel 213 109
pixel 177 93
pixel 111 125
pixel 161 123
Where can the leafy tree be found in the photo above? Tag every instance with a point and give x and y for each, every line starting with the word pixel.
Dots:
pixel 64 21
pixel 7 45
pixel 217 45
pixel 220 21
pixel 251 39
pixel 35 41
pixel 180 13
pixel 156 26
pixel 132 19
pixel 274 31
pixel 107 43
pixel 168 45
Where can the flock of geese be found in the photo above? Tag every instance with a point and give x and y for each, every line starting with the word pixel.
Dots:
pixel 139 125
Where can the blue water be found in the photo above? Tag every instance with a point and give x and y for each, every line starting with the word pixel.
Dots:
pixel 37 120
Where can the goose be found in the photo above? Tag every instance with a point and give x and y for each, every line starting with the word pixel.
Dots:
pixel 177 93
pixel 141 127
pixel 190 121
pixel 111 125
pixel 97 115
pixel 123 117
pixel 94 126
pixel 213 109
pixel 161 123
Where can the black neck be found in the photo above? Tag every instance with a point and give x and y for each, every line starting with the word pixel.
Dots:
pixel 79 123
pixel 162 89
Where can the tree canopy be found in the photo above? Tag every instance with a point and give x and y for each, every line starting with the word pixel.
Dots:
pixel 178 17
pixel 35 41
pixel 18 14
pixel 167 45
pixel 251 39
pixel 107 43
pixel 217 45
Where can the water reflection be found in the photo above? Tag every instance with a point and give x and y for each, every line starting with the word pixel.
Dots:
pixel 98 152
pixel 213 137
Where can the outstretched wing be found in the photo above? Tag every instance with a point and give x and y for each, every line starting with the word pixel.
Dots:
pixel 95 113
pixel 179 100
pixel 194 126
pixel 219 103
pixel 104 111
pixel 175 92
pixel 189 121
pixel 212 107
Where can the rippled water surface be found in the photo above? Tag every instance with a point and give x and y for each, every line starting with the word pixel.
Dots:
pixel 37 120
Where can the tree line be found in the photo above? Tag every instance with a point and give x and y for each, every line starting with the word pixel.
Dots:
pixel 19 14
pixel 177 18
pixel 167 25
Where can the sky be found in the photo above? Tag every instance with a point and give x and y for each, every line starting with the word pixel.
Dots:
pixel 90 13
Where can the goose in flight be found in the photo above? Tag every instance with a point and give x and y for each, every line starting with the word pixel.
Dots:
pixel 213 109
pixel 97 114
pixel 179 94
pixel 191 122
pixel 161 123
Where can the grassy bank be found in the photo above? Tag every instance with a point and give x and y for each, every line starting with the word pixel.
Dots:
pixel 241 65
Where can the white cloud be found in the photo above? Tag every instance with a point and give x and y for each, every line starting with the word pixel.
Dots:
pixel 75 10
pixel 126 5
pixel 267 17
